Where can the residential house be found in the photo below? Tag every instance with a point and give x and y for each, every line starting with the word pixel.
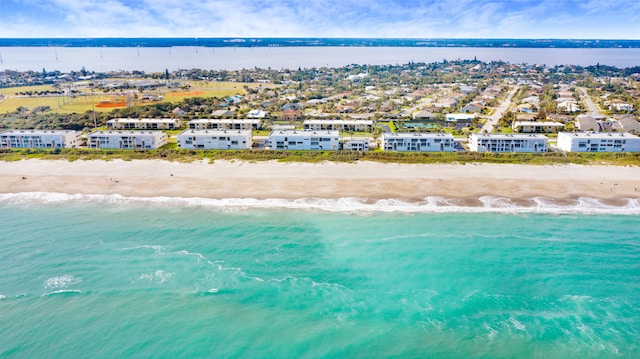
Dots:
pixel 425 115
pixel 222 114
pixel 526 108
pixel 459 119
pixel 446 102
pixel 627 123
pixel 290 115
pixel 568 106
pixel 257 114
pixel 471 108
pixel 178 111
pixel 235 99
pixel 618 105
pixel 587 123
pixel 532 100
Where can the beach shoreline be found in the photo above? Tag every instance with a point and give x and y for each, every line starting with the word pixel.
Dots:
pixel 364 180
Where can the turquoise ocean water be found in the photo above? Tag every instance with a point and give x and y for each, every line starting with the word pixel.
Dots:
pixel 107 277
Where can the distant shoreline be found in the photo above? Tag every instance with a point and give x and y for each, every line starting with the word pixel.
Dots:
pixel 158 56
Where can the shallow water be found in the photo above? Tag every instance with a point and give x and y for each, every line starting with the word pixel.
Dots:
pixel 90 277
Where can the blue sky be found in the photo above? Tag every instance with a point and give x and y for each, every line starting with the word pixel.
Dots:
pixel 594 19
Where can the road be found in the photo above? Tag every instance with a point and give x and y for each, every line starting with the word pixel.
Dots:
pixel 492 120
pixel 593 109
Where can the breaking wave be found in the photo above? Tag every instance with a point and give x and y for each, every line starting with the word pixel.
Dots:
pixel 432 204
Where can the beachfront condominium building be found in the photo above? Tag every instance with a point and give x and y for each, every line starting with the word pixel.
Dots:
pixel 339 125
pixel 144 123
pixel 532 143
pixel 216 139
pixel 139 140
pixel 225 123
pixel 598 142
pixel 418 142
pixel 304 140
pixel 359 144
pixel 40 139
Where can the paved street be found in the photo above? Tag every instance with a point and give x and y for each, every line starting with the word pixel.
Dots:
pixel 492 120
pixel 593 109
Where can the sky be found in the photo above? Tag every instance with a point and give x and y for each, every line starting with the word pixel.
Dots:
pixel 553 19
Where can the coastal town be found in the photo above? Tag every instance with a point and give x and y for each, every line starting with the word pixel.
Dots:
pixel 320 179
pixel 449 106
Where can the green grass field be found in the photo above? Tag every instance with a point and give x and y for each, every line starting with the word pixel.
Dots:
pixel 58 104
pixel 81 104
pixel 10 91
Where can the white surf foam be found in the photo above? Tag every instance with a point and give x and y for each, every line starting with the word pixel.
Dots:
pixel 62 281
pixel 432 204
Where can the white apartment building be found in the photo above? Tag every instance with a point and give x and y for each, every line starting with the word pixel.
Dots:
pixel 144 123
pixel 418 142
pixel 216 139
pixel 360 144
pixel 533 143
pixel 340 125
pixel 225 123
pixel 598 142
pixel 140 140
pixel 304 140
pixel 40 139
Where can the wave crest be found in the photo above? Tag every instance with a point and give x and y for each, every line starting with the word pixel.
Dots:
pixel 432 204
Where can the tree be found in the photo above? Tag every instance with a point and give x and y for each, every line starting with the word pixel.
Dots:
pixel 507 119
pixel 542 114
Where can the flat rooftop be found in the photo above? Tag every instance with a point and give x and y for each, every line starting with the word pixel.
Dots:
pixel 509 136
pixel 598 135
pixel 418 135
pixel 215 132
pixel 35 132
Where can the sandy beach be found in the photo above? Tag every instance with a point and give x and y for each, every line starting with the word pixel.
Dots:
pixel 368 180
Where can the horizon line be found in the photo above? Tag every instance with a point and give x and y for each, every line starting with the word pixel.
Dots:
pixel 324 37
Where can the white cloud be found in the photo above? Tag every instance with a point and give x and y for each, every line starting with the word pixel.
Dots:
pixel 320 18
